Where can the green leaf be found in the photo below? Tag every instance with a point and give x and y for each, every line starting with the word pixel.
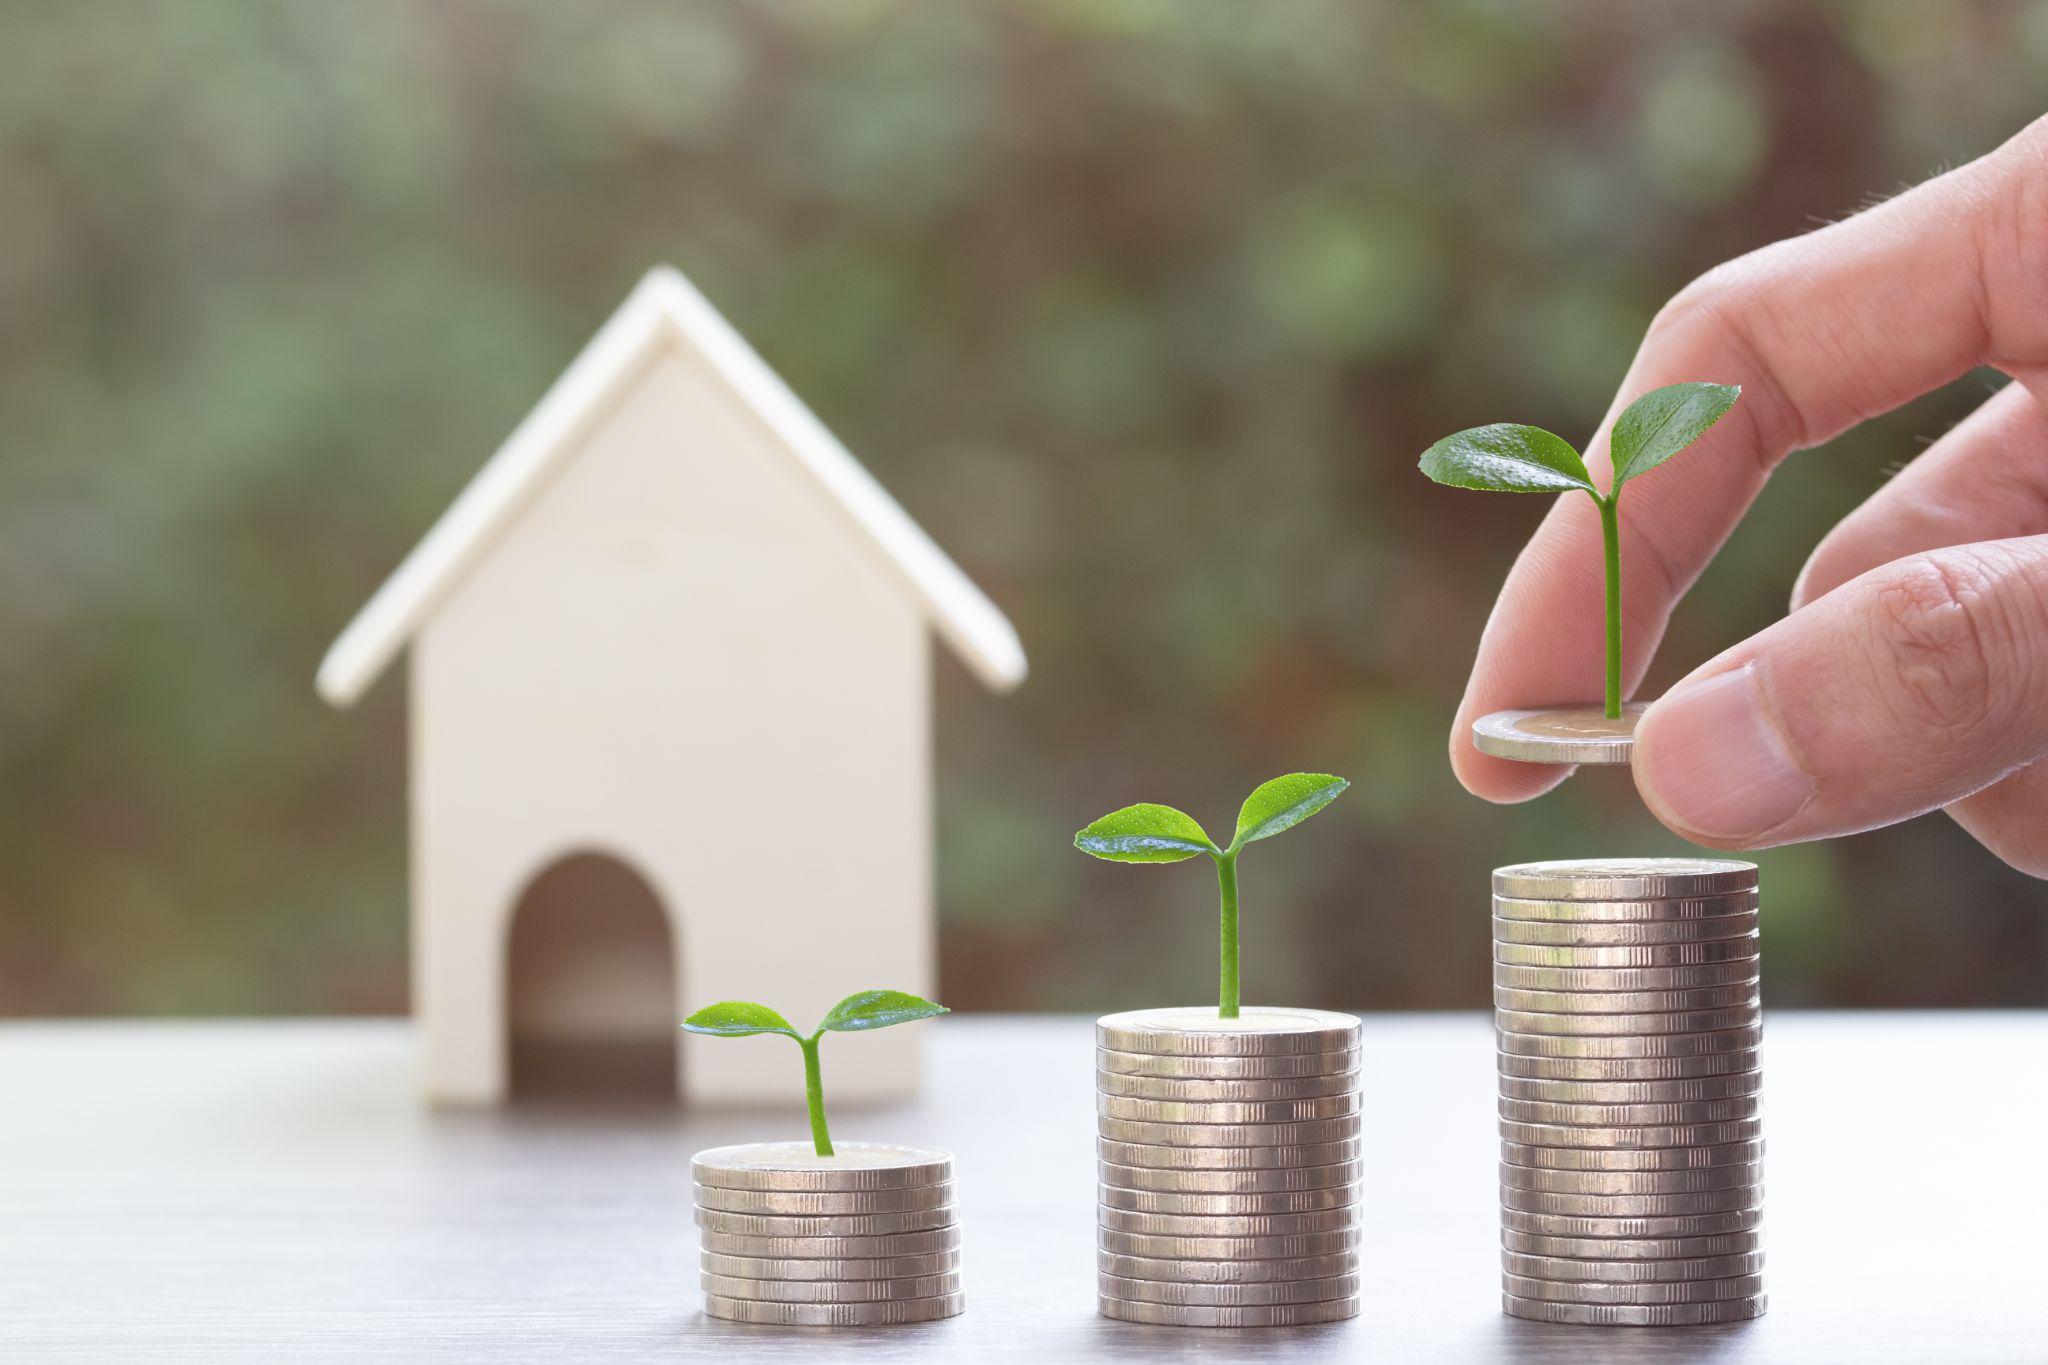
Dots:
pixel 737 1019
pixel 1663 422
pixel 1507 458
pixel 1284 803
pixel 878 1009
pixel 1144 834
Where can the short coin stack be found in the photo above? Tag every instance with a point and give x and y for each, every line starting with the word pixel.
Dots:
pixel 862 1237
pixel 1625 998
pixel 1228 1167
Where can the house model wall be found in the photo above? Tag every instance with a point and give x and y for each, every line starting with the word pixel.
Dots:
pixel 673 623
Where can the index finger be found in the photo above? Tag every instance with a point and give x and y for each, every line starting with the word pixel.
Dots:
pixel 1821 332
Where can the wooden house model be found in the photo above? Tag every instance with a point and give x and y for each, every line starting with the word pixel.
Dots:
pixel 670 727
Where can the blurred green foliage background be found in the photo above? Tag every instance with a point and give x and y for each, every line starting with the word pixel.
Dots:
pixel 1144 307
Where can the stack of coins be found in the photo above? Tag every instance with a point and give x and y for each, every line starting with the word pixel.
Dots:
pixel 862 1237
pixel 1228 1167
pixel 1625 995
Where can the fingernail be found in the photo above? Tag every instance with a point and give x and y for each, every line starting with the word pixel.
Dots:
pixel 1709 761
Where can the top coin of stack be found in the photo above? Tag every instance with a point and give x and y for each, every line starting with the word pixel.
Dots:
pixel 1228 1177
pixel 1625 998
pixel 862 1237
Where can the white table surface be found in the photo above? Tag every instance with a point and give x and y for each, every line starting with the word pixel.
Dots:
pixel 269 1191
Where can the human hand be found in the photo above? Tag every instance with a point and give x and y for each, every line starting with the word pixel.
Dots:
pixel 1912 672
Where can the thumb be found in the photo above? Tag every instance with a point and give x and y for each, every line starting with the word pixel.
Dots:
pixel 1907 688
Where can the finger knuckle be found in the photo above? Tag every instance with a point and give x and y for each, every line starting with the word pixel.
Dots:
pixel 2013 247
pixel 1704 304
pixel 1941 637
pixel 1726 318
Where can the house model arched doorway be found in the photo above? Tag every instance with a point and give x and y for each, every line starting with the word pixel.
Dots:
pixel 590 985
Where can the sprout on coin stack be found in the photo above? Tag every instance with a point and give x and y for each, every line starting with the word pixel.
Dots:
pixel 1631 1178
pixel 1510 458
pixel 1625 990
pixel 1228 1138
pixel 813 1234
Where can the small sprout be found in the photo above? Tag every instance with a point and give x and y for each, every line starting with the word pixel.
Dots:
pixel 855 1014
pixel 1508 458
pixel 1161 834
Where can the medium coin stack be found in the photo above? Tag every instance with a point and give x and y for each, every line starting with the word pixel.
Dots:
pixel 1228 1167
pixel 1631 1178
pixel 862 1237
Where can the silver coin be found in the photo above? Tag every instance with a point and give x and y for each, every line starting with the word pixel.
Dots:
pixel 1531 912
pixel 1282 1156
pixel 1577 979
pixel 1627 1025
pixel 1628 1182
pixel 1608 980
pixel 1257 1202
pixel 1629 1159
pixel 1559 734
pixel 1624 879
pixel 1226 1295
pixel 1704 1043
pixel 1275 1067
pixel 1644 928
pixel 1308 1133
pixel 1668 1135
pixel 834 1314
pixel 856 1248
pixel 1630 1003
pixel 1634 1291
pixel 1209 1092
pixel 1247 1315
pixel 1653 1227
pixel 1229 1182
pixel 816 1203
pixel 1197 1031
pixel 1228 1111
pixel 1227 1272
pixel 1273 1248
pixel 1226 1224
pixel 1636 1315
pixel 866 1268
pixel 1632 1271
pixel 1742 948
pixel 1633 1205
pixel 1632 1092
pixel 1630 1115
pixel 830 1291
pixel 1628 1068
pixel 797 1166
pixel 1631 1248
pixel 825 1225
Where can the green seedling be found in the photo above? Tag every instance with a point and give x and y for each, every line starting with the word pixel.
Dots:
pixel 862 1013
pixel 1161 834
pixel 1516 459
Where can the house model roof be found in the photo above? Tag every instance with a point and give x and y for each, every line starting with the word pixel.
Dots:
pixel 665 310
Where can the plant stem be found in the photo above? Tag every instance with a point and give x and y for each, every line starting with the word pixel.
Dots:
pixel 1610 536
pixel 1226 883
pixel 814 1094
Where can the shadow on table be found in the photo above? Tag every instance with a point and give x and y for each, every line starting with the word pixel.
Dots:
pixel 1135 1341
pixel 1525 1343
pixel 1544 1343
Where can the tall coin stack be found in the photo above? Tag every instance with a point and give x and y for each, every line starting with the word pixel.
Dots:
pixel 1631 1179
pixel 1228 1171
pixel 862 1237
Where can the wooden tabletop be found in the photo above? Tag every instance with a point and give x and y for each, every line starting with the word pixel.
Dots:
pixel 264 1191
